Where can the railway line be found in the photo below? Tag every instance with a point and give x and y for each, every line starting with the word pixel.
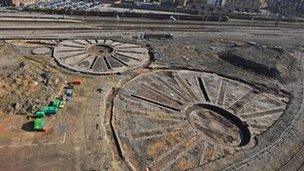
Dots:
pixel 15 21
pixel 298 156
pixel 43 29
pixel 149 24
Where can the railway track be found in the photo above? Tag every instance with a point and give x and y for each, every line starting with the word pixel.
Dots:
pixel 190 28
pixel 296 156
pixel 128 26
pixel 126 23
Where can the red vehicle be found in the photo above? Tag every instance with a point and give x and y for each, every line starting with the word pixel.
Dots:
pixel 76 82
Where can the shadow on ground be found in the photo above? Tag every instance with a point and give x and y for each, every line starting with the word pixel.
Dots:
pixel 29 126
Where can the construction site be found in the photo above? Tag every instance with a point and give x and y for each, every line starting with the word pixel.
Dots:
pixel 148 93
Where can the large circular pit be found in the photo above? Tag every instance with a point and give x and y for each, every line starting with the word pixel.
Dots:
pixel 178 120
pixel 100 56
pixel 218 125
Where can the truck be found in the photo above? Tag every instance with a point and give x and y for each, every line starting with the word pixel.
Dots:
pixel 56 103
pixel 49 110
pixel 76 82
pixel 39 114
pixel 69 92
pixel 39 124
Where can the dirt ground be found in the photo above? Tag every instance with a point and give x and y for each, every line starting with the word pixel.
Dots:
pixel 77 137
pixel 26 83
pixel 74 136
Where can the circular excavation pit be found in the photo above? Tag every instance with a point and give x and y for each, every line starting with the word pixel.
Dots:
pixel 100 50
pixel 100 56
pixel 178 120
pixel 218 125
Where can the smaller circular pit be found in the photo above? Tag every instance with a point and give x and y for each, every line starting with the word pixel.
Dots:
pixel 100 50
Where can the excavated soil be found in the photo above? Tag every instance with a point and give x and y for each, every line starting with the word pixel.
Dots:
pixel 276 63
pixel 25 84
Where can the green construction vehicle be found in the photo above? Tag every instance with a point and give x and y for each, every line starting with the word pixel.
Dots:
pixel 39 114
pixel 48 110
pixel 56 103
pixel 39 124
pixel 51 109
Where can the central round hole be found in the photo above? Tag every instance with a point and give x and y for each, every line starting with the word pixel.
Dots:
pixel 100 50
pixel 218 125
pixel 104 48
